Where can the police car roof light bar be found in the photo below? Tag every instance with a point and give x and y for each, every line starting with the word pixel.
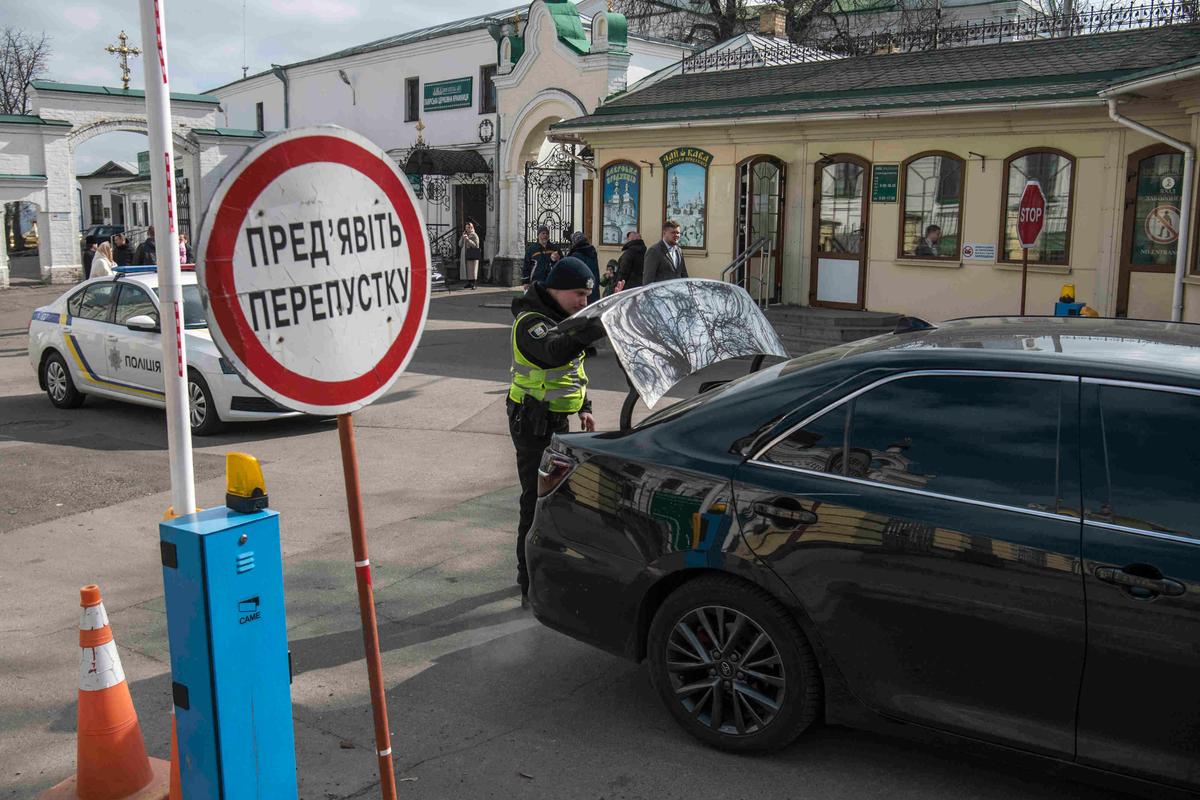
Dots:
pixel 149 268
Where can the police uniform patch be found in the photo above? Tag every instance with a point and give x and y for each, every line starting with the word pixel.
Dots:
pixel 591 284
pixel 539 330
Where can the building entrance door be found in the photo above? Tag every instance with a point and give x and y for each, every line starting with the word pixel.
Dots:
pixel 839 249
pixel 761 182
pixel 470 205
pixel 1150 238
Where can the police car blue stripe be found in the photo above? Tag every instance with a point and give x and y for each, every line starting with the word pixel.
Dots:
pixel 47 316
pixel 96 379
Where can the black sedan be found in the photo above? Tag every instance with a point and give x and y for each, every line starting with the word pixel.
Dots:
pixel 988 529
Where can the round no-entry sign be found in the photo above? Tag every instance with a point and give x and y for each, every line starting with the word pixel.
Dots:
pixel 314 269
pixel 1031 214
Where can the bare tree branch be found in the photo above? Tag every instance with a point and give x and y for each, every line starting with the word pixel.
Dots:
pixel 22 59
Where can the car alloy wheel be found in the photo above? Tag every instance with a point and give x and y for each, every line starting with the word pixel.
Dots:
pixel 732 665
pixel 197 405
pixel 725 670
pixel 60 388
pixel 56 381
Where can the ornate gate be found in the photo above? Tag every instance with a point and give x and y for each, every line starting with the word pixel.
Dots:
pixel 183 208
pixel 550 196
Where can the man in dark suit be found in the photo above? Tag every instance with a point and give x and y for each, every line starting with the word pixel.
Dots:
pixel 664 259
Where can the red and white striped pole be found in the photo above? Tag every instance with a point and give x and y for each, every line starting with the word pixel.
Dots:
pixel 170 295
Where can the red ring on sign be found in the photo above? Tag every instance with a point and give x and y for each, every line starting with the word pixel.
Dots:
pixel 218 275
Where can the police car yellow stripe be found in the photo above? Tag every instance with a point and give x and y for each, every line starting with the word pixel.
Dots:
pixel 96 380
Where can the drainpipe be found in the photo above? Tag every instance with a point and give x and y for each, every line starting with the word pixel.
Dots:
pixel 1185 203
pixel 281 73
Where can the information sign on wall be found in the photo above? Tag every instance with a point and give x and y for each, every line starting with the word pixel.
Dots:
pixel 685 197
pixel 622 201
pixel 443 95
pixel 885 183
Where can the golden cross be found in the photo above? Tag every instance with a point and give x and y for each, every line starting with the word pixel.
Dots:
pixel 420 131
pixel 123 53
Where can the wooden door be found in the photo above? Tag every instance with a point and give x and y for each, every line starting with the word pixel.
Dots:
pixel 839 247
pixel 1150 235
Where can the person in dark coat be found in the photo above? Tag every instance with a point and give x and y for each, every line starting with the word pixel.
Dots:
pixel 632 261
pixel 122 252
pixel 537 258
pixel 147 252
pixel 664 259
pixel 582 249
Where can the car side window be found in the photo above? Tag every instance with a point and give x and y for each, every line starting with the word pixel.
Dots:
pixel 994 439
pixel 1141 467
pixel 97 301
pixel 74 303
pixel 132 302
pixel 818 445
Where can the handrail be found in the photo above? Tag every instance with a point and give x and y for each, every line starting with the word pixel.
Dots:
pixel 760 245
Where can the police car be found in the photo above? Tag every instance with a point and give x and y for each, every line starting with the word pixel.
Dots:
pixel 102 338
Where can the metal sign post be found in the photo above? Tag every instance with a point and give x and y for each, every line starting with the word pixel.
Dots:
pixel 170 295
pixel 1031 216
pixel 314 266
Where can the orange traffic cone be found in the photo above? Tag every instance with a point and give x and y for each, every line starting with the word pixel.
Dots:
pixel 111 761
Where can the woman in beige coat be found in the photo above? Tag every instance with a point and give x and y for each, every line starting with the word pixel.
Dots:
pixel 102 262
pixel 469 254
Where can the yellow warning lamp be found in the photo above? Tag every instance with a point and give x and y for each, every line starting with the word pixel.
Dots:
pixel 245 488
pixel 1067 294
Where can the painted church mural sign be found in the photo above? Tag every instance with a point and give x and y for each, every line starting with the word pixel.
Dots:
pixel 622 201
pixel 685 192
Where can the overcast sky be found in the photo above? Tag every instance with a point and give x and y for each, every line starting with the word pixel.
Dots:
pixel 205 41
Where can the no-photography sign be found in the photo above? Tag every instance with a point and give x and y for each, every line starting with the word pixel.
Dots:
pixel 314 269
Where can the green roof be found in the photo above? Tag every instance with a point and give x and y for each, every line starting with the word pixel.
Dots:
pixel 112 91
pixel 242 133
pixel 568 25
pixel 31 119
pixel 1010 72
pixel 859 6
pixel 8 176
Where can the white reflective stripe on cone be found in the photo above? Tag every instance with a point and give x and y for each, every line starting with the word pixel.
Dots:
pixel 93 618
pixel 100 668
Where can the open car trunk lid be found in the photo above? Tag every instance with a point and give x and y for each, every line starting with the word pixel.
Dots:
pixel 664 332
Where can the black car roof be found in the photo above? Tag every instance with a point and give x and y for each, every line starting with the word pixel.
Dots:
pixel 1090 345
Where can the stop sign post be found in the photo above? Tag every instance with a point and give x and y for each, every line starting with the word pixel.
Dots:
pixel 1031 216
pixel 314 271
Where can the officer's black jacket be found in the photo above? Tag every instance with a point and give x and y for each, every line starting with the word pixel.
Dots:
pixel 537 339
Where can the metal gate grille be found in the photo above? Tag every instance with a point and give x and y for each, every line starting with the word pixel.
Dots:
pixel 550 196
pixel 183 208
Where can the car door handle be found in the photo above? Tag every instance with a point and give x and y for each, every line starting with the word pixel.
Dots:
pixel 793 517
pixel 1150 585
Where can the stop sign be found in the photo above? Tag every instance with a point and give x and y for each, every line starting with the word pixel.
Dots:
pixel 1031 214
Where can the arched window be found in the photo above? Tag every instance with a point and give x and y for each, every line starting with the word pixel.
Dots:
pixel 931 209
pixel 1055 171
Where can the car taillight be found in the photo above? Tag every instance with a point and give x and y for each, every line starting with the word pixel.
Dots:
pixel 554 469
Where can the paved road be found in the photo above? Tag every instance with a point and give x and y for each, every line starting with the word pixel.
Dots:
pixel 484 701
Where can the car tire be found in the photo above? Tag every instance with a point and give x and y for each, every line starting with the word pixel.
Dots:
pixel 767 638
pixel 202 410
pixel 60 387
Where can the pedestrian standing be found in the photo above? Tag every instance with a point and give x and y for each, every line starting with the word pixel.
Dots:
pixel 582 249
pixel 102 263
pixel 185 249
pixel 89 256
pixel 548 380
pixel 632 261
pixel 147 252
pixel 469 255
pixel 537 258
pixel 609 282
pixel 122 252
pixel 664 260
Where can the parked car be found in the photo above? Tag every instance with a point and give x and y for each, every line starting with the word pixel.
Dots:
pixel 989 529
pixel 97 234
pixel 102 337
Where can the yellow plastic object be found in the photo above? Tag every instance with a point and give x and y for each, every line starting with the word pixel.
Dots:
pixel 245 487
pixel 1088 311
pixel 1067 293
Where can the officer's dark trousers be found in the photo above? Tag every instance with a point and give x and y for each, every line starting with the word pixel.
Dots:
pixel 529 456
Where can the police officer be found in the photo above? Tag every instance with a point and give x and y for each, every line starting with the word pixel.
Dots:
pixel 548 380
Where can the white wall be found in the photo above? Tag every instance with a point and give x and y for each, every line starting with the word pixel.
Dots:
pixel 21 150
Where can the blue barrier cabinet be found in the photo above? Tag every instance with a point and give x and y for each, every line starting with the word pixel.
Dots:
pixel 230 667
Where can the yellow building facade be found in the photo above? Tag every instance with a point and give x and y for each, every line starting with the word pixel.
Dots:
pixel 847 195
